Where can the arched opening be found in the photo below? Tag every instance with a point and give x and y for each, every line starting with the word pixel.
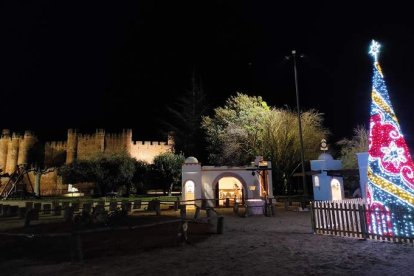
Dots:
pixel 229 188
pixel 336 189
pixel 189 188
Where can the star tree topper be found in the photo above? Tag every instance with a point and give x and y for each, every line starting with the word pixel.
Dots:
pixel 374 49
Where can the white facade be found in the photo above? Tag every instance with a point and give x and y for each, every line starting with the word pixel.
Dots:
pixel 363 175
pixel 210 182
pixel 326 187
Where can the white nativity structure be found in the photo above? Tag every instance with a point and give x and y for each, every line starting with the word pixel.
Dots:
pixel 216 185
pixel 327 186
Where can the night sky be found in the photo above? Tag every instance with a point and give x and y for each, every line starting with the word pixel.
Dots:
pixel 114 65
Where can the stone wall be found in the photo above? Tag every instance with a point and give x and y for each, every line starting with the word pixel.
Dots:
pixel 89 145
pixel 55 153
pixel 147 150
pixel 50 184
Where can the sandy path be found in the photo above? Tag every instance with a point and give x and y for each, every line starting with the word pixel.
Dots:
pixel 280 245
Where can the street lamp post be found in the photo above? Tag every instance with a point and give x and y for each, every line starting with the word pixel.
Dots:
pixel 302 157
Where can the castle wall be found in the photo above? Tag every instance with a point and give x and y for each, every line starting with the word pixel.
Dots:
pixel 55 153
pixel 146 150
pixel 89 146
pixel 85 146
pixel 118 143
pixel 50 184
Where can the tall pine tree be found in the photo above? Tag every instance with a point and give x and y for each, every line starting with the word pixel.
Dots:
pixel 185 120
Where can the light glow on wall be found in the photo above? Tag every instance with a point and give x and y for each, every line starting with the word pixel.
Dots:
pixel 189 187
pixel 316 181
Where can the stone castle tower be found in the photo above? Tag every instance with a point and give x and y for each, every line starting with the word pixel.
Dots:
pixel 14 149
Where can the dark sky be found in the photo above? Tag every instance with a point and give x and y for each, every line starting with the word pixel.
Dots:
pixel 114 65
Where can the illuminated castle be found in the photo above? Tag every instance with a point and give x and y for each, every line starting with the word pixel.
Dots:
pixel 14 149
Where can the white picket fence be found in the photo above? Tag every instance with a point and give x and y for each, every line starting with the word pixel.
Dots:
pixel 341 218
pixel 349 218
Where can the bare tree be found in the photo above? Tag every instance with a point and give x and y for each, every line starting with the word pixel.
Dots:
pixel 358 143
pixel 282 144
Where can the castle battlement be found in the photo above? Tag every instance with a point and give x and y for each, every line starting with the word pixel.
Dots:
pixel 86 136
pixel 72 131
pixel 5 133
pixel 56 144
pixel 115 135
pixel 29 134
pixel 100 131
pixel 16 135
pixel 149 143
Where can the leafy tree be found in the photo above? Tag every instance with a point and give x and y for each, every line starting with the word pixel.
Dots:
pixel 235 132
pixel 141 176
pixel 185 118
pixel 114 172
pixel 168 167
pixel 358 143
pixel 111 172
pixel 77 172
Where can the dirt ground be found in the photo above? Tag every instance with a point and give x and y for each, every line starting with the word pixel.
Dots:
pixel 255 245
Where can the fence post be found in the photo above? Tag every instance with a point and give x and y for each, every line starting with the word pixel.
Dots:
pixel 363 221
pixel 29 205
pixel 246 211
pixel 272 207
pixel 28 217
pixel 197 212
pixel 137 204
pixel 236 207
pixel 57 210
pixel 182 233
pixel 68 214
pixel 267 211
pixel 157 207
pixel 183 211
pixel 312 217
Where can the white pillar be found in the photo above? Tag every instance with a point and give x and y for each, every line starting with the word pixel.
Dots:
pixel 363 172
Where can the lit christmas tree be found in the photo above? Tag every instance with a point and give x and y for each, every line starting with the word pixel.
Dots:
pixel 390 189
